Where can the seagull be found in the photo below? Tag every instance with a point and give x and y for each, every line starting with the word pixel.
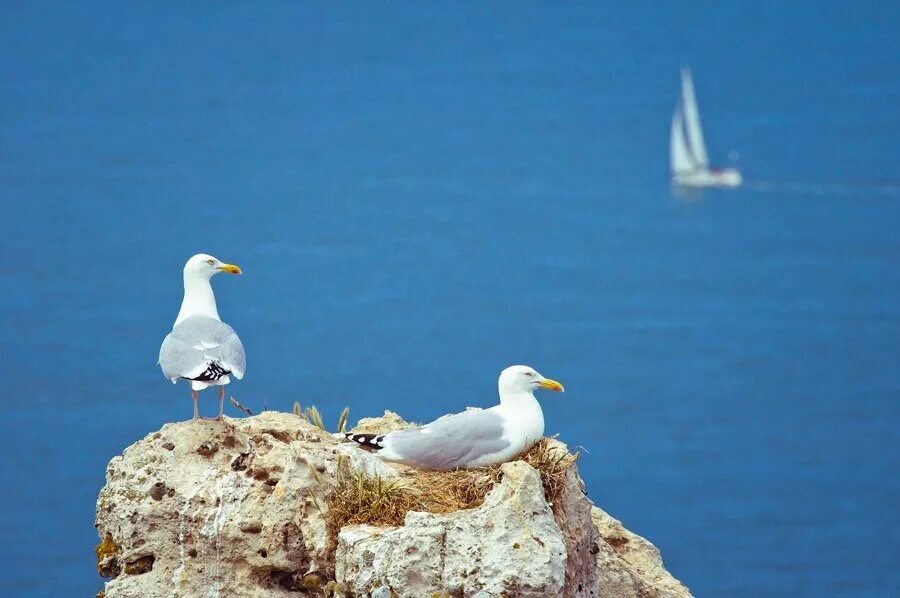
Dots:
pixel 202 348
pixel 473 438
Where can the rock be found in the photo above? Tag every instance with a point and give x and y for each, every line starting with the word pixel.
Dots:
pixel 388 422
pixel 233 504
pixel 237 508
pixel 628 565
pixel 511 544
pixel 572 511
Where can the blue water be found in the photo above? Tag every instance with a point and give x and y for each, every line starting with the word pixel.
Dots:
pixel 422 194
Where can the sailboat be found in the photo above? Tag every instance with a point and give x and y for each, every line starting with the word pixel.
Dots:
pixel 687 151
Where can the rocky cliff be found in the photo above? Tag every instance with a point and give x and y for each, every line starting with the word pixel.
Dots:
pixel 248 507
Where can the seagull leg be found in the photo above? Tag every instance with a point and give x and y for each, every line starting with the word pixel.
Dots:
pixel 221 402
pixel 221 406
pixel 195 395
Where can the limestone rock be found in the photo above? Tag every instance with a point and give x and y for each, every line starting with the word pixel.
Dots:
pixel 509 545
pixel 630 566
pixel 572 513
pixel 223 508
pixel 236 508
pixel 389 422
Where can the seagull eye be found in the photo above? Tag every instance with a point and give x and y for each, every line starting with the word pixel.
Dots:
pixel 529 374
pixel 210 262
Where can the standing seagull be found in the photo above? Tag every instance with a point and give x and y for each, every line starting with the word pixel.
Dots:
pixel 473 438
pixel 202 348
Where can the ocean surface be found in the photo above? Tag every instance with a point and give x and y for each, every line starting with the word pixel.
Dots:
pixel 421 194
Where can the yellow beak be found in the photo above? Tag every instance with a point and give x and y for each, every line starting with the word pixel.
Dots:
pixel 230 268
pixel 552 385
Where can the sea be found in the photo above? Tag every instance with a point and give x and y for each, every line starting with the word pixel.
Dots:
pixel 421 194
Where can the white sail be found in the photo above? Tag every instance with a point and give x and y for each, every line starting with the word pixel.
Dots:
pixel 680 157
pixel 692 126
pixel 687 151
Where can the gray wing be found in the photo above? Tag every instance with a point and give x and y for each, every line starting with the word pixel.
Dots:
pixel 198 344
pixel 452 441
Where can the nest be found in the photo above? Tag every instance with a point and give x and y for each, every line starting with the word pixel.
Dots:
pixel 360 499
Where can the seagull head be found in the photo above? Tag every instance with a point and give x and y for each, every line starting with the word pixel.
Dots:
pixel 206 266
pixel 521 378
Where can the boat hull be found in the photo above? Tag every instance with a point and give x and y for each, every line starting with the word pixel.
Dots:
pixel 725 177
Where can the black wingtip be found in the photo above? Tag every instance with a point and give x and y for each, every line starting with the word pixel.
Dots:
pixel 367 440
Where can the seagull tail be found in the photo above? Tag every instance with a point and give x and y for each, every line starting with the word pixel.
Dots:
pixel 373 441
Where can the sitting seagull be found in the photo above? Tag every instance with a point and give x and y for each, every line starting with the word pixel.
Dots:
pixel 201 348
pixel 473 438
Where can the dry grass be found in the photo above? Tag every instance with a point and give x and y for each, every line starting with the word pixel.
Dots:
pixel 312 416
pixel 553 465
pixel 358 498
pixel 342 420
